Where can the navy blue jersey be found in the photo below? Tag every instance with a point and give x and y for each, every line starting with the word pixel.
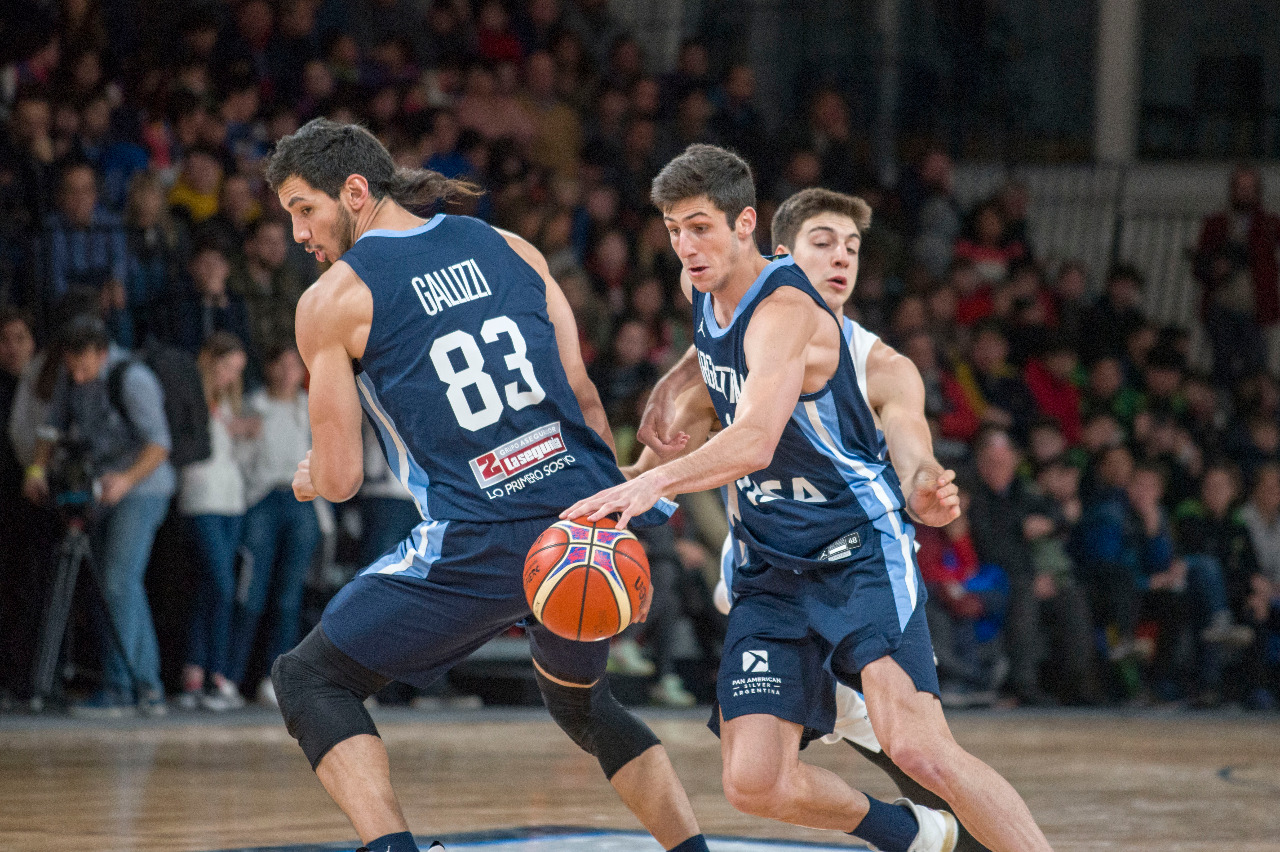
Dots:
pixel 829 474
pixel 463 381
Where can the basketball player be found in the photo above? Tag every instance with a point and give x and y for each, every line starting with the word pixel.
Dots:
pixel 462 350
pixel 823 231
pixel 830 582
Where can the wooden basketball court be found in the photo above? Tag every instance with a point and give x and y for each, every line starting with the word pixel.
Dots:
pixel 1095 781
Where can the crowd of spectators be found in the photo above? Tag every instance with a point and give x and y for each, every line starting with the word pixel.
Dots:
pixel 1122 535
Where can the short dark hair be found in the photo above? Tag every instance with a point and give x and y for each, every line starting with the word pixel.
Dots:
pixel 807 203
pixel 718 173
pixel 82 333
pixel 325 153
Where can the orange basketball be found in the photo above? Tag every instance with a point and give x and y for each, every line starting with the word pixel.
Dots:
pixel 586 580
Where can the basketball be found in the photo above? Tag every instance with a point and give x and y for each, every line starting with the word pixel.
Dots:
pixel 587 580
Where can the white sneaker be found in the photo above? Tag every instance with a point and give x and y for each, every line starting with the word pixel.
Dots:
pixel 625 657
pixel 224 695
pixel 267 693
pixel 669 691
pixel 939 830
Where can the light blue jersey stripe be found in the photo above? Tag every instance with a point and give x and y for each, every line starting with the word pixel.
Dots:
pixel 402 462
pixel 818 421
pixel 410 232
pixel 416 554
pixel 709 314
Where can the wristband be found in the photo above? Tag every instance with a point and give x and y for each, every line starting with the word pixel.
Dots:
pixel 35 471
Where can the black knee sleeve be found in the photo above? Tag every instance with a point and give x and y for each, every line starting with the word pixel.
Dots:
pixel 594 719
pixel 321 693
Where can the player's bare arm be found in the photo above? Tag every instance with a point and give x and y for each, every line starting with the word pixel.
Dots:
pixel 658 428
pixel 896 394
pixel 566 340
pixel 783 361
pixel 332 321
pixel 692 415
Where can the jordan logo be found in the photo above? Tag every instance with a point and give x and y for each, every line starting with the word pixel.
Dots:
pixel 702 327
pixel 756 662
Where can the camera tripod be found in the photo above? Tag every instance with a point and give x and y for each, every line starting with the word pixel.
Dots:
pixel 55 642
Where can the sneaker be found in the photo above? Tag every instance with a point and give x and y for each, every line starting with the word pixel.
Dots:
pixel 101 705
pixel 223 696
pixel 190 699
pixel 1224 630
pixel 625 658
pixel 938 832
pixel 151 702
pixel 669 691
pixel 267 693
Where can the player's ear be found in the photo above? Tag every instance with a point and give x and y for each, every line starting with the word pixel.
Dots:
pixel 780 249
pixel 356 189
pixel 746 224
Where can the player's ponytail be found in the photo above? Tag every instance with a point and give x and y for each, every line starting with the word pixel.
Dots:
pixel 423 187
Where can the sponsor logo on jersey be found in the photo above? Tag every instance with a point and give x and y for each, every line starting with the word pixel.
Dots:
pixel 756 662
pixel 454 285
pixel 758 679
pixel 518 455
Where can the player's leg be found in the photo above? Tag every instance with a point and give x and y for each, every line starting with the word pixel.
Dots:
pixel 912 729
pixel 576 692
pixel 321 693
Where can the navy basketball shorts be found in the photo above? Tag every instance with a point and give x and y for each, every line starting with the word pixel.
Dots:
pixel 793 633
pixel 445 591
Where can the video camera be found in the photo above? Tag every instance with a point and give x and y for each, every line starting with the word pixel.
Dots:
pixel 73 484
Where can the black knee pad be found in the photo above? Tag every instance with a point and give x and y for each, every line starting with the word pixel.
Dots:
pixel 321 693
pixel 594 719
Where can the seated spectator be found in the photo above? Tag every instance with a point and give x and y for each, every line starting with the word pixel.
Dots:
pixel 212 501
pixel 1071 301
pixel 1107 392
pixel 204 305
pixel 993 386
pixel 83 245
pixel 1261 516
pixel 194 195
pixel 1047 618
pixel 115 160
pixel 280 533
pixel 1162 375
pixel 268 284
pixel 1220 566
pixel 985 245
pixel 126 443
pixel 237 212
pixel 158 249
pixel 624 376
pixel 946 405
pixel 968 670
pixel 557 138
pixel 1117 313
pixel 1050 378
pixel 1124 550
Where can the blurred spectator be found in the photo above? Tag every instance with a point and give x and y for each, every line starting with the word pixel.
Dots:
pixel 1050 379
pixel 986 246
pixel 83 245
pixel 1220 555
pixel 969 671
pixel 267 284
pixel 28 158
pixel 1071 301
pixel 557 138
pixel 993 387
pixel 1114 316
pixel 1237 265
pixel 126 443
pixel 624 374
pixel 1261 516
pixel 1013 200
pixel 280 533
pixel 194 195
pixel 157 254
pixel 933 215
pixel 1108 393
pixel 1125 553
pixel 946 405
pixel 738 122
pixel 492 113
pixel 115 160
pixel 212 500
pixel 238 210
pixel 293 44
pixel 1048 619
pixel 19 608
pixel 496 41
pixel 204 305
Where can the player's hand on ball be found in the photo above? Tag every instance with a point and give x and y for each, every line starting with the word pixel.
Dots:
pixel 934 499
pixel 628 500
pixel 303 488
